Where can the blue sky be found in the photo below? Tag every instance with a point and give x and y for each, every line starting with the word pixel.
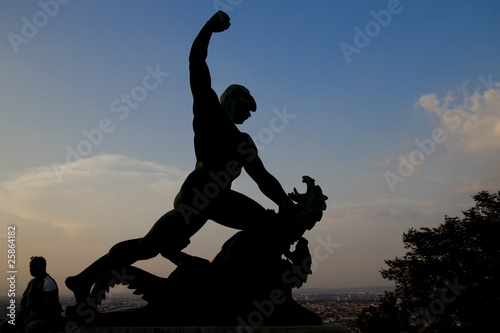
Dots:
pixel 398 133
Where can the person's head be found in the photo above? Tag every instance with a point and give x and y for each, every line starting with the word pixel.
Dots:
pixel 38 266
pixel 237 102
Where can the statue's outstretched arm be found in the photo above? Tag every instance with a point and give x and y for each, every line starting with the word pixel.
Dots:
pixel 267 183
pixel 199 74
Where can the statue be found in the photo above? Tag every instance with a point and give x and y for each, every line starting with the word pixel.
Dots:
pixel 222 151
pixel 248 283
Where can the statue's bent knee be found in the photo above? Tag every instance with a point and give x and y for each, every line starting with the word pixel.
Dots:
pixel 130 250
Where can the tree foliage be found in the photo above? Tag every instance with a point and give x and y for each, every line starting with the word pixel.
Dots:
pixel 448 280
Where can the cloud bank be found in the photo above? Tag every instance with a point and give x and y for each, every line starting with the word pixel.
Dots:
pixel 470 125
pixel 106 199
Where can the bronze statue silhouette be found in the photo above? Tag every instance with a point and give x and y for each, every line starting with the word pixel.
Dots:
pixel 222 151
pixel 248 283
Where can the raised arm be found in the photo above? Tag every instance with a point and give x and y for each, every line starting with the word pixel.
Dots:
pixel 199 75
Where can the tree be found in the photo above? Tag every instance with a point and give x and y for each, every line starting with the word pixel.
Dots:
pixel 449 280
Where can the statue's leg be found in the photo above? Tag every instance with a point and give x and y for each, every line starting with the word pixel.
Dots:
pixel 169 235
pixel 122 254
pixel 172 233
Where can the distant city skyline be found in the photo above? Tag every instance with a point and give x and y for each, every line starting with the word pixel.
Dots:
pixel 393 107
pixel 339 307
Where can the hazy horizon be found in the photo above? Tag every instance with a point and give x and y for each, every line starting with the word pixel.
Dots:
pixel 121 290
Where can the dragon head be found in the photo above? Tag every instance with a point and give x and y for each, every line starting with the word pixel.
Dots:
pixel 310 205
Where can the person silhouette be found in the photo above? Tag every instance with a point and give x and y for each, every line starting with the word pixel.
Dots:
pixel 39 308
pixel 221 151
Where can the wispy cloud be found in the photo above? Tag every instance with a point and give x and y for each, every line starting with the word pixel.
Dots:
pixel 470 133
pixel 109 191
pixel 473 120
pixel 482 131
pixel 106 199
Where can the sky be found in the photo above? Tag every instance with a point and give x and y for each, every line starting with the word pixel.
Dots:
pixel 393 107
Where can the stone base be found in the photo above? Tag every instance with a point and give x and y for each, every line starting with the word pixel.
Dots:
pixel 233 329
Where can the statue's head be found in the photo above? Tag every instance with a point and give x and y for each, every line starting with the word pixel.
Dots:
pixel 237 102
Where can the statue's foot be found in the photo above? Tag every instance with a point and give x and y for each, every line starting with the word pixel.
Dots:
pixel 79 289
